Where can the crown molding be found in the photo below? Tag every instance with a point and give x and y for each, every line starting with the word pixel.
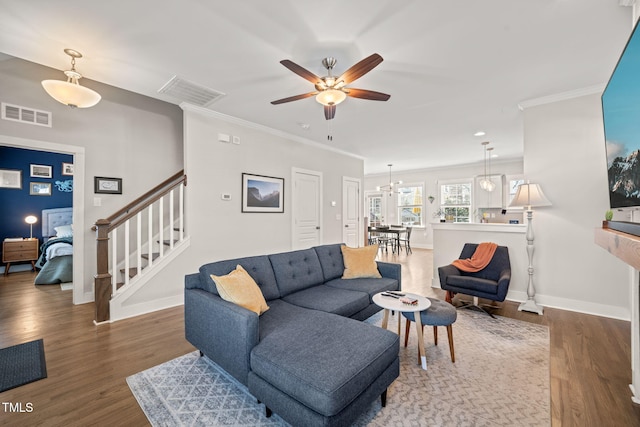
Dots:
pixel 255 126
pixel 562 96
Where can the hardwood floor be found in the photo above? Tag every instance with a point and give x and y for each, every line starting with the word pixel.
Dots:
pixel 87 365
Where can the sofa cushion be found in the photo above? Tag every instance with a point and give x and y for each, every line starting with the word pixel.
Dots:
pixel 239 288
pixel 360 262
pixel 330 299
pixel 296 270
pixel 475 283
pixel 258 267
pixel 325 361
pixel 330 257
pixel 370 286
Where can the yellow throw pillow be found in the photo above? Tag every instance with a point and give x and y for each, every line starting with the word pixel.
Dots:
pixel 360 262
pixel 240 288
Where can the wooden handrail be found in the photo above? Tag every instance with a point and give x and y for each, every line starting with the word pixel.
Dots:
pixel 103 279
pixel 114 219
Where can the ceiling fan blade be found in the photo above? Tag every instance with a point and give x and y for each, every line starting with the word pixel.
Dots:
pixel 367 94
pixel 329 112
pixel 361 68
pixel 302 72
pixel 294 98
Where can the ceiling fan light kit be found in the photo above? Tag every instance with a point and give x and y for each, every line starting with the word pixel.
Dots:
pixel 330 97
pixel 330 90
pixel 70 92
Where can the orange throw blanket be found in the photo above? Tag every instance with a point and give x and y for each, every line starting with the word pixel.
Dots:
pixel 479 260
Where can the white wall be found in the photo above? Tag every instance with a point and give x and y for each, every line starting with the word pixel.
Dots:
pixel 564 152
pixel 423 237
pixel 218 229
pixel 126 135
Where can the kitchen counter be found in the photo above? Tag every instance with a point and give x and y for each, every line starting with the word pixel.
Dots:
pixel 479 226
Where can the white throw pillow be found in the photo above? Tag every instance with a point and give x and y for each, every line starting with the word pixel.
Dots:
pixel 64 231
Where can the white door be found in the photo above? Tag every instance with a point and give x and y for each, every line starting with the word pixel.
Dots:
pixel 351 211
pixel 307 214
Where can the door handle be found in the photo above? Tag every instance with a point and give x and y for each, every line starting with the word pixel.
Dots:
pixel 318 227
pixel 346 226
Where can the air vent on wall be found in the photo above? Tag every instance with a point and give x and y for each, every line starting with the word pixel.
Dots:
pixel 193 93
pixel 26 115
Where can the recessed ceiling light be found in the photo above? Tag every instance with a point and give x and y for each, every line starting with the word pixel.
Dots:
pixel 479 133
pixel 304 126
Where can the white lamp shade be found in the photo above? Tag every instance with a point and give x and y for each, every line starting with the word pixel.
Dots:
pixel 71 94
pixel 331 97
pixel 529 195
pixel 31 219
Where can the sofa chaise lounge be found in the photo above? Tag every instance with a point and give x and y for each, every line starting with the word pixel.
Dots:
pixel 309 357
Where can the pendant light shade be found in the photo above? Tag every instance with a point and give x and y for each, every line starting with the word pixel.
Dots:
pixel 486 183
pixel 70 92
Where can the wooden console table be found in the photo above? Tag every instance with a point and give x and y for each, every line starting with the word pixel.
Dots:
pixel 627 248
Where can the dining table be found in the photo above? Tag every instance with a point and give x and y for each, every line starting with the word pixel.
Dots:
pixel 393 231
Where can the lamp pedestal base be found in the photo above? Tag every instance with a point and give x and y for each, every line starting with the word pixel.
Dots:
pixel 531 306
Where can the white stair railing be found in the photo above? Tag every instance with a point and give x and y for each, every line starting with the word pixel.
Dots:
pixel 132 255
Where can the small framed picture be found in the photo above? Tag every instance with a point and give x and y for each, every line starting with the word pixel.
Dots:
pixel 262 193
pixel 67 169
pixel 11 178
pixel 41 171
pixel 39 188
pixel 107 185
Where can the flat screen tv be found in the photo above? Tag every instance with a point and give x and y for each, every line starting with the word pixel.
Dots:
pixel 621 115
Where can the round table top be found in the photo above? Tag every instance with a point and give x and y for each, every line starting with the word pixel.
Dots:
pixel 391 303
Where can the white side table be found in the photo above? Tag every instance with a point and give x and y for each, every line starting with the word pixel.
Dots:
pixel 390 303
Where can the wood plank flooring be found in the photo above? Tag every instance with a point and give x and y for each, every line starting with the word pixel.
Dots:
pixel 87 364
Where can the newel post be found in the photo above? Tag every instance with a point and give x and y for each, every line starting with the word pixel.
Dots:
pixel 102 279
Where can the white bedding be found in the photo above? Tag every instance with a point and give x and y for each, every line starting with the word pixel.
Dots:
pixel 59 249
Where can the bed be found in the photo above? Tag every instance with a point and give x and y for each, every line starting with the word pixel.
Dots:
pixel 56 253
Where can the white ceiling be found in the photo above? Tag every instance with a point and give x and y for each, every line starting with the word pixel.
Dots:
pixel 451 67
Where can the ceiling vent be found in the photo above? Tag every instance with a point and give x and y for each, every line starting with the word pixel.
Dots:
pixel 27 115
pixel 193 93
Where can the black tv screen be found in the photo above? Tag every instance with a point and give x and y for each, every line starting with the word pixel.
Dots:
pixel 621 115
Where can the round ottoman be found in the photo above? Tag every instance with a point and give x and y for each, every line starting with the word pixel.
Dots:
pixel 441 313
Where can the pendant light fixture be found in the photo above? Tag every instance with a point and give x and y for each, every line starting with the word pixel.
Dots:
pixel 70 92
pixel 486 183
pixel 388 187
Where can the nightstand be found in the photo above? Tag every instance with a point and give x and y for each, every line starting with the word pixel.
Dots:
pixel 18 251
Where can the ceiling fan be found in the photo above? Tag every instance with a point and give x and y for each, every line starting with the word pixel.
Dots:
pixel 331 90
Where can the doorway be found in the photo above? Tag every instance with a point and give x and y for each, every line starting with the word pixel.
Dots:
pixel 307 208
pixel 80 295
pixel 351 212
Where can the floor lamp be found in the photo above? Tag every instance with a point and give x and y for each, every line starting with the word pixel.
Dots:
pixel 529 196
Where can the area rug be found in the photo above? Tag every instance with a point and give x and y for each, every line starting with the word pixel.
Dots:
pixel 500 378
pixel 22 364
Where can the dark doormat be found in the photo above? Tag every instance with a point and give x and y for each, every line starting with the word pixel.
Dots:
pixel 22 364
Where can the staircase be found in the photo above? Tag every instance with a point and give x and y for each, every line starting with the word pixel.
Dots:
pixel 136 241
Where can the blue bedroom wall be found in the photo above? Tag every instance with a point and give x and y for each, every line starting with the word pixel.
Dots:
pixel 16 204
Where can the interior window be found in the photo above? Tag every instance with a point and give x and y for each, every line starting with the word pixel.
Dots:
pixel 410 205
pixel 455 201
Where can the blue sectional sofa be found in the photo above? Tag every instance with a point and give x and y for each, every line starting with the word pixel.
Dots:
pixel 309 358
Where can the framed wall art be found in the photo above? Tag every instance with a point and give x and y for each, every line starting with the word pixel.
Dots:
pixel 105 185
pixel 67 168
pixel 11 178
pixel 262 193
pixel 41 171
pixel 39 188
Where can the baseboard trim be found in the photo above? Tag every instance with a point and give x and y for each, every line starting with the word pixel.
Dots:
pixel 585 307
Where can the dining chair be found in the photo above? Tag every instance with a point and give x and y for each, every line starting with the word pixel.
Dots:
pixel 406 241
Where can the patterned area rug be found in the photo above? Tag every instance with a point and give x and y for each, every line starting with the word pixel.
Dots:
pixel 500 378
